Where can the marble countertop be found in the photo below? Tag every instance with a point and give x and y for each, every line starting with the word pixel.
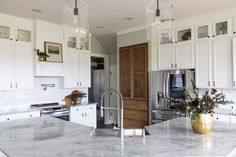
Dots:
pixel 50 137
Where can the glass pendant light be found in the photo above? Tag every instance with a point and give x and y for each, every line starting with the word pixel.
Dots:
pixel 159 17
pixel 75 19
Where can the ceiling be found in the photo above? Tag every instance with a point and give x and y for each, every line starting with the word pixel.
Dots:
pixel 110 13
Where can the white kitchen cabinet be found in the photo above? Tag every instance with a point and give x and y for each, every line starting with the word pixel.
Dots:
pixel 85 69
pixel 203 64
pixel 166 57
pixel 16 62
pixel 221 118
pixel 203 32
pixel 31 114
pixel 21 115
pixel 233 119
pixel 184 56
pixel 84 114
pixel 222 68
pixel 234 62
pixel 77 69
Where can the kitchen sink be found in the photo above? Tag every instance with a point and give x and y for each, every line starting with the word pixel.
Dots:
pixel 2 154
pixel 114 132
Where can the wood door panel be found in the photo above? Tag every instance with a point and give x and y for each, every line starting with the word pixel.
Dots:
pixel 139 59
pixel 136 105
pixel 140 86
pixel 134 85
pixel 136 115
pixel 128 123
pixel 125 85
pixel 125 60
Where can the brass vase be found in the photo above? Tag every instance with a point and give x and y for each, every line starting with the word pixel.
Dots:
pixel 202 123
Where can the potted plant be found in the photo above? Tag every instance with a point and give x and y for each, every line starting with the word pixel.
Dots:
pixel 75 97
pixel 41 55
pixel 200 108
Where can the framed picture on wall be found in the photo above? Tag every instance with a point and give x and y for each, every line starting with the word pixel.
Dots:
pixel 54 51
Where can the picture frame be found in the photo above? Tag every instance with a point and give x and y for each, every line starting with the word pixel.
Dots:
pixel 54 51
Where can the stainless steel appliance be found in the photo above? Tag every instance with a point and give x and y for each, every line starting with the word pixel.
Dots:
pixel 53 110
pixel 168 84
pixel 97 85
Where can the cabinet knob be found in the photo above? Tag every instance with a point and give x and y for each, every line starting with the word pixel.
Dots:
pixel 77 109
pixel 217 118
pixel 234 32
pixel 172 65
pixel 214 36
pixel 16 85
pixel 214 83
pixel 11 39
pixel 234 83
pixel 209 83
pixel 208 36
pixel 30 115
pixel 176 65
pixel 8 118
pixel 16 39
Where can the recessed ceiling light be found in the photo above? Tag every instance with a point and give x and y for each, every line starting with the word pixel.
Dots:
pixel 36 10
pixel 100 27
pixel 128 18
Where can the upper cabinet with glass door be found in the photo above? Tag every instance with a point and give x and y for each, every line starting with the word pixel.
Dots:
pixel 221 28
pixel 203 32
pixel 5 32
pixel 23 35
pixel 79 42
pixel 183 35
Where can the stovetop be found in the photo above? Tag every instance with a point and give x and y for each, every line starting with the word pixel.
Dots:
pixel 48 105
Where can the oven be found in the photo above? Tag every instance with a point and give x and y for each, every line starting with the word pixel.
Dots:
pixel 53 110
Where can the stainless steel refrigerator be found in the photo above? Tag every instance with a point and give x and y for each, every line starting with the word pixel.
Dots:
pixel 97 85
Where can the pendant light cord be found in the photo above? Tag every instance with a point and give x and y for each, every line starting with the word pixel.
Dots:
pixel 76 4
pixel 158 9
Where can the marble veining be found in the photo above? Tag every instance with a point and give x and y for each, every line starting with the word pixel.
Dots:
pixel 50 137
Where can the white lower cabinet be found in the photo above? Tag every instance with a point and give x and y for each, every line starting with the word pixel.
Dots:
pixel 84 114
pixel 221 118
pixel 17 116
pixel 233 119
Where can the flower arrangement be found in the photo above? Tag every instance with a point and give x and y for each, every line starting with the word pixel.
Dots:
pixel 194 104
pixel 75 97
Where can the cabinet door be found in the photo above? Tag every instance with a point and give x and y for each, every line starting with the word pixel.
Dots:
pixel 222 28
pixel 233 119
pixel 203 32
pixel 6 65
pixel 91 116
pixel 203 64
pixel 222 70
pixel 165 57
pixel 234 62
pixel 4 118
pixel 71 79
pixel 85 69
pixel 76 114
pixel 30 114
pixel 23 66
pixel 221 118
pixel 184 56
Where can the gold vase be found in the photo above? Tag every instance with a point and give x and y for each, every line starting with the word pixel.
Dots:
pixel 202 123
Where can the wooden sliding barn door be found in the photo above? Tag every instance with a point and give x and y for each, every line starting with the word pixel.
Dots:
pixel 134 84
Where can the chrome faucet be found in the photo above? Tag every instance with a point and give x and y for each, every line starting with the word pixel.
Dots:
pixel 119 108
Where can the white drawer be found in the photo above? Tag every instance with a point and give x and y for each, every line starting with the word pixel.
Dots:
pixel 4 118
pixel 221 118
pixel 233 119
pixel 30 114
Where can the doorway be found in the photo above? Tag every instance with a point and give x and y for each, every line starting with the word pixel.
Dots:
pixel 99 83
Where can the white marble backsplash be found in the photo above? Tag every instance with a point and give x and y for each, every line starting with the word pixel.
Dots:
pixel 24 98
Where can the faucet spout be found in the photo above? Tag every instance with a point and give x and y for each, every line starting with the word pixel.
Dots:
pixel 119 108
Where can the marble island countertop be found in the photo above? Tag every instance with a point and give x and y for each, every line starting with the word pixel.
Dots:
pixel 50 137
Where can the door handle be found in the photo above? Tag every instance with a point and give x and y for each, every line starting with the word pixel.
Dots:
pixel 234 83
pixel 176 65
pixel 85 114
pixel 214 83
pixel 82 115
pixel 16 85
pixel 10 85
pixel 172 65
pixel 209 83
pixel 80 84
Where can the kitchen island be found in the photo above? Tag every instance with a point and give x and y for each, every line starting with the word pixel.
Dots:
pixel 50 137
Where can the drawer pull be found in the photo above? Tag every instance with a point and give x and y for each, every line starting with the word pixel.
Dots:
pixel 8 118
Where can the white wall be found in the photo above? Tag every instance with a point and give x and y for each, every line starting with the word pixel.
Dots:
pixel 96 47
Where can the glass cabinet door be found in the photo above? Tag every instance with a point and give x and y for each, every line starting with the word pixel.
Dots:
pixel 202 32
pixel 221 28
pixel 23 35
pixel 5 32
pixel 72 42
pixel 184 35
pixel 84 42
pixel 165 39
